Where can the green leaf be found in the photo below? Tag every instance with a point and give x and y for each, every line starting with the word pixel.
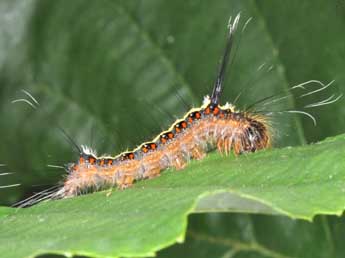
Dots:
pixel 248 236
pixel 153 214
pixel 4 211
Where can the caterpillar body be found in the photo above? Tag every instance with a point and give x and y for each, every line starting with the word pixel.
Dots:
pixel 211 126
pixel 199 131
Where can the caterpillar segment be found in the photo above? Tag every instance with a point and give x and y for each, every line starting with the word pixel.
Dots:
pixel 200 131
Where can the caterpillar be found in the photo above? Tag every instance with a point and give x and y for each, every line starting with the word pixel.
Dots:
pixel 201 130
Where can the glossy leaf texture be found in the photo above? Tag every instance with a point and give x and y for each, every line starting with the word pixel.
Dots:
pixel 153 214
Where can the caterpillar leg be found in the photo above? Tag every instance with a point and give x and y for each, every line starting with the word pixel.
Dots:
pixel 125 181
pixel 179 163
pixel 198 153
pixel 109 192
pixel 153 172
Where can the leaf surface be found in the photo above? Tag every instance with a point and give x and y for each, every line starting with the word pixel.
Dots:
pixel 153 214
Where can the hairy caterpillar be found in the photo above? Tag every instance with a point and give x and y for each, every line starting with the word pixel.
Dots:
pixel 212 126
